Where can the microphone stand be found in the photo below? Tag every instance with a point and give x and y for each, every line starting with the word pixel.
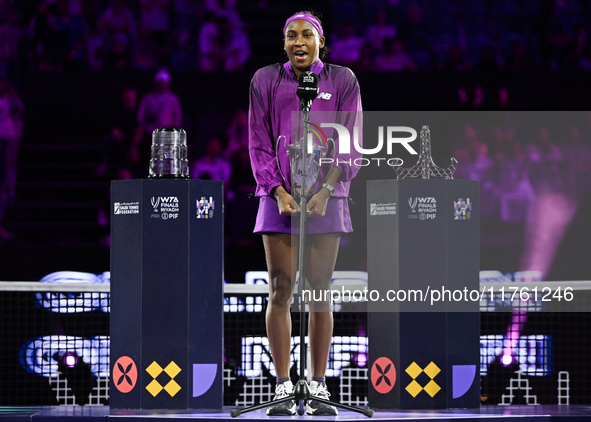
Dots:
pixel 301 393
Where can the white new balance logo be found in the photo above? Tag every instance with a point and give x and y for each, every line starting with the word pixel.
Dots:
pixel 324 95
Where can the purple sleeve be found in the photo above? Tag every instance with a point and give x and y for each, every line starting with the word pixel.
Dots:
pixel 350 101
pixel 260 142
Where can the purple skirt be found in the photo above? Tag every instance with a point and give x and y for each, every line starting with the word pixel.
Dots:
pixel 336 219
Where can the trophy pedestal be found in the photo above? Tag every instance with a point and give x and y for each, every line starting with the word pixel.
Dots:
pixel 166 294
pixel 423 235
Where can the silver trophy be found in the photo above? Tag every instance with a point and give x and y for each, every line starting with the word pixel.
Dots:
pixel 169 154
pixel 425 168
pixel 313 165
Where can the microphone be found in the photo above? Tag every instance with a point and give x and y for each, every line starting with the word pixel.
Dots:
pixel 307 90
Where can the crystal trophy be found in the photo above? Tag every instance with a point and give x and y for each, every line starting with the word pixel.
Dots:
pixel 169 154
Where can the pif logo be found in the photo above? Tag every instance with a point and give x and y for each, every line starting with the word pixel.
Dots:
pixel 383 375
pixel 124 374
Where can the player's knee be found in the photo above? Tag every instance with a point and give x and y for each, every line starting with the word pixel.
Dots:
pixel 280 292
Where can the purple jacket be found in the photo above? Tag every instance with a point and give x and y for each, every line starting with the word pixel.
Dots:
pixel 273 99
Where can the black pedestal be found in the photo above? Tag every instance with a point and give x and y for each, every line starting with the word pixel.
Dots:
pixel 166 294
pixel 423 245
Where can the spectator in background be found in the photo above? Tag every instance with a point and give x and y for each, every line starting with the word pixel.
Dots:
pixel 76 29
pixel 578 157
pixel 210 44
pixel 542 150
pixel 95 44
pixel 118 141
pixel 519 59
pixel 49 38
pixel 224 8
pixel 346 46
pixel 186 13
pixel 574 48
pixel 213 166
pixel 154 17
pixel 552 34
pixel 118 57
pixel 154 28
pixel 144 55
pixel 490 60
pixel 223 44
pixel 241 207
pixel 235 44
pixel 237 134
pixel 394 58
pixel 183 54
pixel 223 39
pixel 11 132
pixel 456 60
pixel 11 35
pixel 118 19
pixel 366 60
pixel 115 164
pixel 380 29
pixel 418 39
pixel 158 108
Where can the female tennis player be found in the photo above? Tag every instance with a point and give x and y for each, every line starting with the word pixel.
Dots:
pixel 272 100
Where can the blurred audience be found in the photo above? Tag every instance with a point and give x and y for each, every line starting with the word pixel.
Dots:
pixel 11 44
pixel 380 29
pixel 394 58
pixel 237 133
pixel 115 164
pixel 456 61
pixel 185 35
pixel 11 132
pixel 345 46
pixel 223 44
pixel 213 166
pixel 158 108
pixel 418 38
pixel 242 205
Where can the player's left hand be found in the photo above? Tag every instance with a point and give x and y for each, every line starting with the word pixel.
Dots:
pixel 317 205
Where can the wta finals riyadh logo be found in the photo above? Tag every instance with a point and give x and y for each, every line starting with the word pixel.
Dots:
pixel 462 209
pixel 205 207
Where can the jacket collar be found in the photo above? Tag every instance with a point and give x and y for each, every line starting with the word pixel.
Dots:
pixel 316 68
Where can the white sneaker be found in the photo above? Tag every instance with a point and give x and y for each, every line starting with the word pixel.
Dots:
pixel 316 408
pixel 287 408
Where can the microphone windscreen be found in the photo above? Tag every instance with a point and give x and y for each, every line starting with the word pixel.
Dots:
pixel 308 79
pixel 308 88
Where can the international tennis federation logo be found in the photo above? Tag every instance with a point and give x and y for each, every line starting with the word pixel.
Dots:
pixel 462 209
pixel 205 207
